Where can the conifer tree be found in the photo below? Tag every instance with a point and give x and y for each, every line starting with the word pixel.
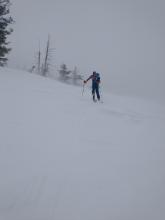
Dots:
pixel 64 73
pixel 77 78
pixel 5 21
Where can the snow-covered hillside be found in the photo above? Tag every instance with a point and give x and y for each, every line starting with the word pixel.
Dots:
pixel 63 157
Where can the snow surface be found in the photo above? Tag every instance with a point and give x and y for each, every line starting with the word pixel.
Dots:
pixel 64 157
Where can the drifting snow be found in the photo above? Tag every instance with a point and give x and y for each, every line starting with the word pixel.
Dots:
pixel 64 157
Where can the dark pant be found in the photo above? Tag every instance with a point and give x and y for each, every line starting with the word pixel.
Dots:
pixel 95 89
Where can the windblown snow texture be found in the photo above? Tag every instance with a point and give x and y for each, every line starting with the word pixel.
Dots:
pixel 64 157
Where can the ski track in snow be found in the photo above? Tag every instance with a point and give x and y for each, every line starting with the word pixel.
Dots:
pixel 64 157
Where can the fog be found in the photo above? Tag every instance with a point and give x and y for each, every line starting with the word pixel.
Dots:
pixel 123 40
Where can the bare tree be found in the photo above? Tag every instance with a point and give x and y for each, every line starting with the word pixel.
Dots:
pixel 45 67
pixel 39 61
pixel 46 59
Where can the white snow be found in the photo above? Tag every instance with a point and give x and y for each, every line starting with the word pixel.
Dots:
pixel 64 157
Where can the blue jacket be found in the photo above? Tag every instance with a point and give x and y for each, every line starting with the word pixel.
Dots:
pixel 95 79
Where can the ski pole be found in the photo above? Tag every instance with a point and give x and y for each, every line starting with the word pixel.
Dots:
pixel 83 89
pixel 101 94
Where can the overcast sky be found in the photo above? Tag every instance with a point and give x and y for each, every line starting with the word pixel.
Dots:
pixel 124 40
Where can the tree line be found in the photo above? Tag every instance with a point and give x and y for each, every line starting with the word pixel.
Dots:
pixel 44 63
pixel 42 66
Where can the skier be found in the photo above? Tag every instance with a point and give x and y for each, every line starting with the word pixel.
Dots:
pixel 95 77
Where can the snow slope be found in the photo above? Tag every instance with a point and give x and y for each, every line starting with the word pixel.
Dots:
pixel 64 157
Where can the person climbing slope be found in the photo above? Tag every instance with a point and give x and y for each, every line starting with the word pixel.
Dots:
pixel 95 77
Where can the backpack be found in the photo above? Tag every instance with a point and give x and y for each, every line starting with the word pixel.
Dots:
pixel 97 77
